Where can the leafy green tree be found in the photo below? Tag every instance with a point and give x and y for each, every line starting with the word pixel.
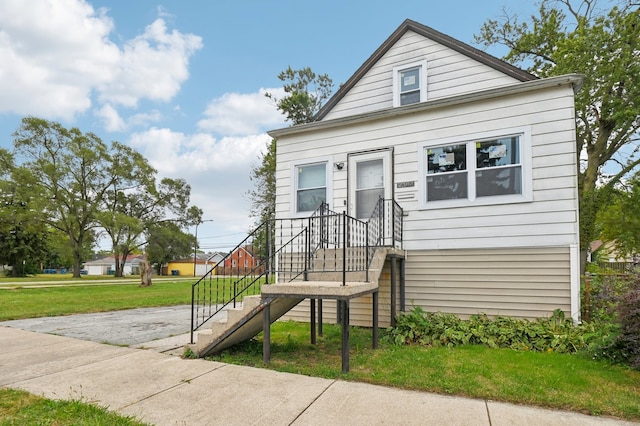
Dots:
pixel 134 202
pixel 305 93
pixel 167 242
pixel 71 171
pixel 619 221
pixel 578 36
pixel 83 186
pixel 23 237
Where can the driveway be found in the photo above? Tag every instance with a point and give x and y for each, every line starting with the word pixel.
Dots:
pixel 164 329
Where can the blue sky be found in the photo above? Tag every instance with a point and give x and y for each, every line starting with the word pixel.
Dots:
pixel 184 81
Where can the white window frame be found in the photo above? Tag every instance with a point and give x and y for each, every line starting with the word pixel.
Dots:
pixel 524 134
pixel 422 65
pixel 328 162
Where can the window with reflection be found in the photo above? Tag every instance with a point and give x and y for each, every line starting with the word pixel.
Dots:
pixel 447 173
pixel 311 186
pixel 499 171
pixel 453 174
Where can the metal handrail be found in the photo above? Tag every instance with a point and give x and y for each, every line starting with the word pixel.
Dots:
pixel 288 249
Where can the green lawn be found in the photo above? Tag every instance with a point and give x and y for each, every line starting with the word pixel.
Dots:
pixel 25 302
pixel 21 408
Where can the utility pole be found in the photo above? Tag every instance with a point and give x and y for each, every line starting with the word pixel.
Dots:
pixel 195 246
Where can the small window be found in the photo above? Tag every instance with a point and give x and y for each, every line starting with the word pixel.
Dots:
pixel 409 84
pixel 311 186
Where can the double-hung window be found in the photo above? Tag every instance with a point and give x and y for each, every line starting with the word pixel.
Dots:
pixel 311 186
pixel 410 83
pixel 479 170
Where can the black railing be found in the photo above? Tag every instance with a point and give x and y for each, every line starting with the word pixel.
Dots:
pixel 284 250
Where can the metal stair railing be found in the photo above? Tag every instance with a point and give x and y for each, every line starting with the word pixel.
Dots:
pixel 288 249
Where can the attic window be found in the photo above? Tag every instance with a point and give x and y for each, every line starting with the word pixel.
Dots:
pixel 409 83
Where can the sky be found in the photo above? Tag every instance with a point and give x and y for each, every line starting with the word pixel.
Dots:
pixel 184 82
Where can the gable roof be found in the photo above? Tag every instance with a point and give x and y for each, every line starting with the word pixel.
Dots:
pixel 430 33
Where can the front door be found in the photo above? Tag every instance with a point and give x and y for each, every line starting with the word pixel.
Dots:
pixel 369 179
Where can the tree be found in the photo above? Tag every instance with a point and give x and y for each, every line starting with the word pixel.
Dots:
pixel 72 171
pixel 305 93
pixel 166 242
pixel 134 202
pixel 571 36
pixel 83 185
pixel 23 237
pixel 619 221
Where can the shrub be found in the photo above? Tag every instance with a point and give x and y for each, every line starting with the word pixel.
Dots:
pixel 556 333
pixel 629 338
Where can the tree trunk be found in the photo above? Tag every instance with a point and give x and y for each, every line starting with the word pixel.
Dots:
pixel 145 274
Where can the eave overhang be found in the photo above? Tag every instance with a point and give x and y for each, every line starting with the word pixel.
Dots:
pixel 575 80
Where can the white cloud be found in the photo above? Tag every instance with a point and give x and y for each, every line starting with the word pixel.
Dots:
pixel 152 66
pixel 111 120
pixel 217 169
pixel 242 114
pixel 55 55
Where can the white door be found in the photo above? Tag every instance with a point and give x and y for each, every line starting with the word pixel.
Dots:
pixel 369 179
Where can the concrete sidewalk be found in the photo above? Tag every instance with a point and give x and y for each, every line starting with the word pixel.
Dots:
pixel 166 390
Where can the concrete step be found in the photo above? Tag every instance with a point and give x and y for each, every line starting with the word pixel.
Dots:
pixel 241 324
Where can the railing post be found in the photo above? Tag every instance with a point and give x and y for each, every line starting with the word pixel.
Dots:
pixel 344 248
pixel 307 249
pixel 366 250
pixel 381 220
pixel 268 243
pixel 192 311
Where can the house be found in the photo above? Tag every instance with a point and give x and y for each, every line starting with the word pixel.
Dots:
pixel 204 262
pixel 107 265
pixel 241 261
pixel 480 155
pixel 607 252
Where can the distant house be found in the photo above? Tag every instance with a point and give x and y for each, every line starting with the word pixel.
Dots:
pixel 204 263
pixel 241 261
pixel 107 265
pixel 600 251
pixel 480 155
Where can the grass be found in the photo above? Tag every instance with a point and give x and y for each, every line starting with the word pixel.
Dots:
pixel 22 408
pixel 18 303
pixel 552 380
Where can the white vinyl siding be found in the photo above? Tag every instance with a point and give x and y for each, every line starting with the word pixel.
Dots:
pixel 551 217
pixel 449 73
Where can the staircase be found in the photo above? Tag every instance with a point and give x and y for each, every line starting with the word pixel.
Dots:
pixel 242 323
pixel 328 255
